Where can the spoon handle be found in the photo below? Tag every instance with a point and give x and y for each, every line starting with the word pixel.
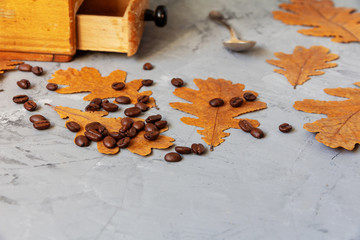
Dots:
pixel 232 32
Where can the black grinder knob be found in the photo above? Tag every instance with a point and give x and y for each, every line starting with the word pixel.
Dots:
pixel 159 16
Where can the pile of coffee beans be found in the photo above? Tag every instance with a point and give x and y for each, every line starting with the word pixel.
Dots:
pixel 246 126
pixel 196 148
pixel 39 122
pixel 140 106
pixel 97 103
pixel 28 68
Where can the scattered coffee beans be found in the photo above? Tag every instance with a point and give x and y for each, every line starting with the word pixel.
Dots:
pixel 25 67
pixel 148 66
pixel 37 70
pixel 197 148
pixel 20 99
pixel 41 124
pixel 285 127
pixel 36 117
pixel 177 82
pixel 172 157
pixel 109 142
pixel 123 100
pixel 143 107
pixel 147 82
pixel 151 136
pixel 132 112
pixel 245 125
pixel 236 102
pixel 249 96
pixel 30 105
pixel 139 125
pixel 183 150
pixel 73 126
pixel 110 107
pixel 161 124
pixel 123 143
pixel 216 102
pixel 257 133
pixel 97 101
pixel 118 85
pixel 153 118
pixel 150 127
pixel 92 107
pixel 52 86
pixel 23 83
pixel 82 141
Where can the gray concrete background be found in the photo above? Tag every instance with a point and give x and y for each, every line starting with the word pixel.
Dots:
pixel 280 187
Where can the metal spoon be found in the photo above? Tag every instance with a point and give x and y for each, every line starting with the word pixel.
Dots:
pixel 234 43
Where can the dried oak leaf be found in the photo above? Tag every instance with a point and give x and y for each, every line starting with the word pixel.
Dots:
pixel 138 144
pixel 90 80
pixel 214 120
pixel 8 65
pixel 341 128
pixel 303 63
pixel 327 21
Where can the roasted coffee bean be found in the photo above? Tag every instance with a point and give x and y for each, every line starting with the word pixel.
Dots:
pixel 148 66
pixel 42 124
pixel 92 107
pixel 30 105
pixel 73 126
pixel 20 99
pixel 143 107
pixel 132 112
pixel 150 127
pixel 117 135
pixel 161 124
pixel 139 125
pixel 177 82
pixel 123 143
pixel 172 157
pixel 257 133
pixel 23 83
pixel 25 67
pixel 37 70
pixel 127 122
pixel 93 135
pixel 143 99
pixel 131 132
pixel 92 125
pixel 110 107
pixel 118 86
pixel 37 117
pixel 123 100
pixel 97 101
pixel 151 136
pixel 245 125
pixel 147 82
pixel 109 142
pixel 216 102
pixel 236 102
pixel 197 148
pixel 183 150
pixel 82 141
pixel 153 118
pixel 285 127
pixel 249 96
pixel 124 128
pixel 52 86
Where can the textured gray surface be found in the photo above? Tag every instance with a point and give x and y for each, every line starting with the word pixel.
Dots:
pixel 280 187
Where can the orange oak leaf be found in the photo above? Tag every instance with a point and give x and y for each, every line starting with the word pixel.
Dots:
pixel 341 128
pixel 303 63
pixel 214 120
pixel 327 21
pixel 138 144
pixel 8 65
pixel 90 80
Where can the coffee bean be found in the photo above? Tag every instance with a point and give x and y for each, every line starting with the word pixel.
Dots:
pixel 123 100
pixel 245 125
pixel 73 126
pixel 257 133
pixel 153 118
pixel 161 124
pixel 139 125
pixel 20 99
pixel 183 150
pixel 23 83
pixel 109 142
pixel 52 86
pixel 148 66
pixel 123 143
pixel 172 157
pixel 216 102
pixel 36 117
pixel 150 127
pixel 143 99
pixel 236 102
pixel 117 135
pixel 197 148
pixel 131 132
pixel 118 86
pixel 127 122
pixel 30 105
pixel 285 127
pixel 92 107
pixel 37 70
pixel 143 107
pixel 110 107
pixel 93 135
pixel 92 125
pixel 25 67
pixel 177 82
pixel 249 96
pixel 151 136
pixel 41 124
pixel 132 112
pixel 82 141
pixel 147 82
pixel 97 101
